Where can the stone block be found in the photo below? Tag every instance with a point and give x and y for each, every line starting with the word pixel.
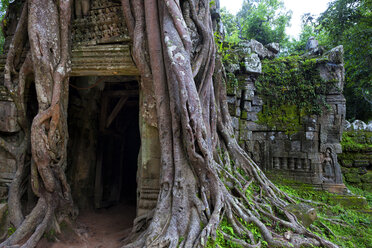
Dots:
pixel 247 106
pixel 8 117
pixel 248 95
pixel 232 108
pixel 252 64
pixel 231 100
pixel 361 163
pixel 309 135
pixel 273 47
pixel 238 93
pixel 367 178
pixel 237 111
pixel 352 177
pixel 310 146
pixel 257 101
pixel 259 136
pixel 245 134
pixel 256 109
pixel 336 55
pixel 253 126
pixel 252 116
pixel 296 146
pixel 347 163
pixel 235 123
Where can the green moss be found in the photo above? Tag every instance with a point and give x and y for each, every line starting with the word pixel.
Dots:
pixel 291 88
pixel 357 228
pixel 356 141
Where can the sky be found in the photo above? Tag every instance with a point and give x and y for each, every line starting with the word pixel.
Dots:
pixel 298 7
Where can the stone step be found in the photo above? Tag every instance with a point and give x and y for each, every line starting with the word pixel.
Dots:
pixel 361 163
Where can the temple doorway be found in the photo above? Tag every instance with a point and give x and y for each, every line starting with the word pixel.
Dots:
pixel 104 141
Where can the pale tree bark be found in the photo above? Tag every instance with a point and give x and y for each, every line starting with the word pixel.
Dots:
pixel 46 24
pixel 205 175
pixel 199 153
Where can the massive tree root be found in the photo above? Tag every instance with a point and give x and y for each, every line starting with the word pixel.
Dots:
pixel 46 25
pixel 205 175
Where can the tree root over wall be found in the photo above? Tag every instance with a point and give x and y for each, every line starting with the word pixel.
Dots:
pixel 46 25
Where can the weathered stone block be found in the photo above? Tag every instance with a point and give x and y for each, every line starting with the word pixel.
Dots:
pixel 296 146
pixel 252 116
pixel 336 55
pixel 367 178
pixel 252 64
pixel 352 177
pixel 309 135
pixel 256 109
pixel 309 146
pixel 245 134
pixel 273 47
pixel 361 163
pixel 235 123
pixel 247 106
pixel 257 101
pixel 347 162
pixel 248 95
pixel 8 117
pixel 259 136
pixel 237 111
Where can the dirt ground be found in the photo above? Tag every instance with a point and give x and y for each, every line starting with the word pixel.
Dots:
pixel 103 228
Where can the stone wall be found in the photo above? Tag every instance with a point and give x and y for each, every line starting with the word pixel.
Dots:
pixel 356 158
pixel 308 155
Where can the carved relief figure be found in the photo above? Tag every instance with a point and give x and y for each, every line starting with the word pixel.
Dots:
pixel 331 169
pixel 328 166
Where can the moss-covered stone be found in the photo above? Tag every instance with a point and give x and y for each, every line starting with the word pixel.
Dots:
pixel 352 177
pixel 367 178
pixel 353 202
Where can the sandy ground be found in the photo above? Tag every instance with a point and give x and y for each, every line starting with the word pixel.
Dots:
pixel 103 228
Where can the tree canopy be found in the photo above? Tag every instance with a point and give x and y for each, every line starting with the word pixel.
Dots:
pixel 262 20
pixel 347 23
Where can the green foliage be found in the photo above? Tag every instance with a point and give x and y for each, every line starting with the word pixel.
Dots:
pixel 3 6
pixel 291 88
pixel 356 228
pixel 11 230
pixel 347 23
pixel 262 20
pixel 356 141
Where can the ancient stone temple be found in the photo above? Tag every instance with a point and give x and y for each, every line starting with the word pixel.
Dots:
pixel 113 146
pixel 307 155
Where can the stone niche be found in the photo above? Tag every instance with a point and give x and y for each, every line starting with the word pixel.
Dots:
pixel 307 156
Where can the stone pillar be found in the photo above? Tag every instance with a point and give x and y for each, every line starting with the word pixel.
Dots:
pixel 148 172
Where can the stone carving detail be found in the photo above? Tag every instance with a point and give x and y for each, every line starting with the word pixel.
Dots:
pixel 291 163
pixel 330 168
pixel 103 23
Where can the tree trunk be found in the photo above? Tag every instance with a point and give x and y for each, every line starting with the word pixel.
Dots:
pixel 205 175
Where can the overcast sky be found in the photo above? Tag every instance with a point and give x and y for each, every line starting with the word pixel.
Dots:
pixel 298 7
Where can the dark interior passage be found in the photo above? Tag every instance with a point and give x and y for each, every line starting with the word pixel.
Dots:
pixel 104 141
pixel 119 144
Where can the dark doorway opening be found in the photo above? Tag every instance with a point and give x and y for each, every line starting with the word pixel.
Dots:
pixel 104 141
pixel 118 146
